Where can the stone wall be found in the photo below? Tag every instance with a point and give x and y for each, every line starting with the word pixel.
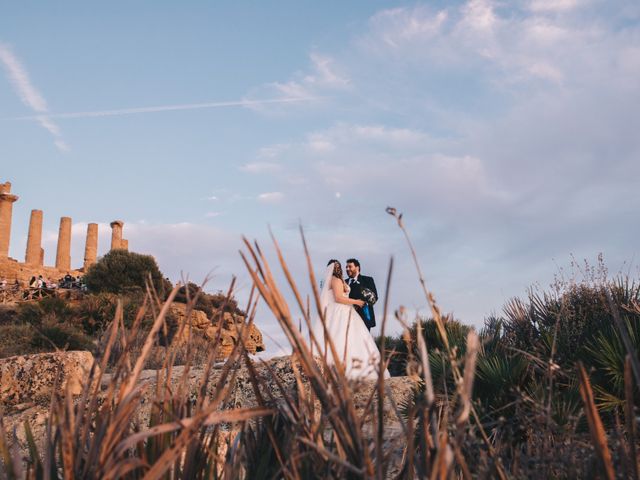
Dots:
pixel 11 270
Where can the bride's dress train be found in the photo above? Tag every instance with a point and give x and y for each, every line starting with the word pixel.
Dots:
pixel 353 343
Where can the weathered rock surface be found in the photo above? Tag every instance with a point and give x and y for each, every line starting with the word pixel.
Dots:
pixel 242 394
pixel 199 324
pixel 32 378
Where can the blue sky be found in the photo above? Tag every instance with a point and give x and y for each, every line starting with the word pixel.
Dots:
pixel 505 131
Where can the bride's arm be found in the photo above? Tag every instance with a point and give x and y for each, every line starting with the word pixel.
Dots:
pixel 337 286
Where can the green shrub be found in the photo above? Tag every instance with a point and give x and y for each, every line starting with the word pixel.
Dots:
pixel 50 309
pixel 396 353
pixel 96 312
pixel 207 302
pixel 515 377
pixel 30 313
pixel 456 335
pixel 120 271
pixel 56 307
pixel 16 340
pixel 62 336
pixel 8 314
pixel 26 339
pixel 574 316
pixel 220 301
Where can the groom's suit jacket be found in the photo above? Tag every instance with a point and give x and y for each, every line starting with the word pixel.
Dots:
pixel 361 282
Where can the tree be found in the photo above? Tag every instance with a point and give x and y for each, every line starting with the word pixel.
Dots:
pixel 120 271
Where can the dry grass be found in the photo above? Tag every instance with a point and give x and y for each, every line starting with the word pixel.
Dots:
pixel 312 431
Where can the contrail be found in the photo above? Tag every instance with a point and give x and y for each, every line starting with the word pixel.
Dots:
pixel 30 96
pixel 166 108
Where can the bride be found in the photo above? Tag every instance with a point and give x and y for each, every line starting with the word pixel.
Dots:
pixel 353 344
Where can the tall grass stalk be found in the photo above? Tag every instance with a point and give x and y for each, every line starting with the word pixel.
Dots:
pixel 313 423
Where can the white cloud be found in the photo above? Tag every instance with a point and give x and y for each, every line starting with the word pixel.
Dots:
pixel 61 145
pixel 489 41
pixel 545 32
pixel 401 25
pixel 546 71
pixel 30 96
pixel 320 142
pixel 479 16
pixel 325 73
pixel 378 163
pixel 296 179
pixel 553 5
pixel 440 184
pixel 260 167
pixel 343 133
pixel 324 77
pixel 270 197
pixel 272 151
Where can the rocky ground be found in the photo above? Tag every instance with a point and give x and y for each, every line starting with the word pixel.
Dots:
pixel 28 381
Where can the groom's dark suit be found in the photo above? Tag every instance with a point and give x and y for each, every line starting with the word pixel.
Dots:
pixel 357 284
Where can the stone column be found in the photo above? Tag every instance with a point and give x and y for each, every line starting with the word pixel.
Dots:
pixel 6 211
pixel 116 234
pixel 34 240
pixel 91 247
pixel 124 244
pixel 63 254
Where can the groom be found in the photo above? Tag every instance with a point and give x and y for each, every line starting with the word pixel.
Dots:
pixel 357 282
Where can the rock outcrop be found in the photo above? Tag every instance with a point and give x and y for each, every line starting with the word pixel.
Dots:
pixel 276 377
pixel 199 324
pixel 32 378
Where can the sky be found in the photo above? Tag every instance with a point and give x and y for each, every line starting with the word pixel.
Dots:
pixel 505 132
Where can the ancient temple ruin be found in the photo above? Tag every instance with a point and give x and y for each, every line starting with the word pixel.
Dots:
pixel 12 270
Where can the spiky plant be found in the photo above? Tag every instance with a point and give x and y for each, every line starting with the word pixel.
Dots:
pixel 607 354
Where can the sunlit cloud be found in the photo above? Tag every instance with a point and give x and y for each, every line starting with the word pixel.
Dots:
pixel 260 167
pixel 270 197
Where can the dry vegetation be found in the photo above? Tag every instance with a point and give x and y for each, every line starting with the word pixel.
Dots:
pixel 453 427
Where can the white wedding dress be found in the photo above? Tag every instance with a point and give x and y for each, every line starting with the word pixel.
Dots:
pixel 353 343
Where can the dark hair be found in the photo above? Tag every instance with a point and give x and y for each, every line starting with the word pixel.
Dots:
pixel 354 261
pixel 337 268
